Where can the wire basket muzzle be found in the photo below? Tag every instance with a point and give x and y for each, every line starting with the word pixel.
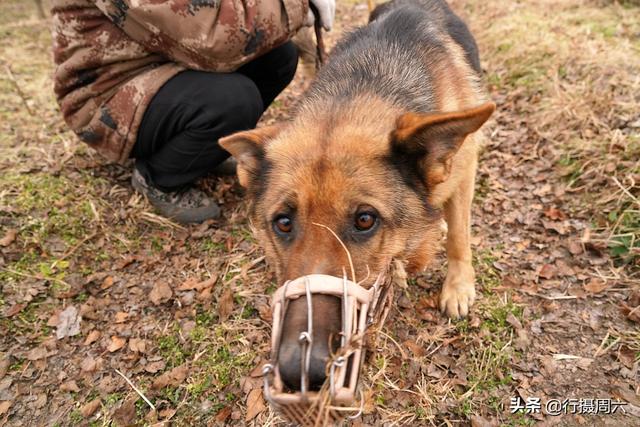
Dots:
pixel 337 398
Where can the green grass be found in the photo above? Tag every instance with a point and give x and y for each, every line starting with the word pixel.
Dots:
pixel 172 350
pixel 489 359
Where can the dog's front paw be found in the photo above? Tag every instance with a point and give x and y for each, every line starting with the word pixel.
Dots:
pixel 458 292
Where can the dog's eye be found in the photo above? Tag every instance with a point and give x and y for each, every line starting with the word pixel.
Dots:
pixel 365 221
pixel 283 224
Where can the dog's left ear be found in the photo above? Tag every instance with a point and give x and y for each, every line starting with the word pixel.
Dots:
pixel 431 140
pixel 248 149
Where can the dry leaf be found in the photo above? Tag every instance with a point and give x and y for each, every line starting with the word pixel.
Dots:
pixel 632 313
pixel 54 320
pixel 547 271
pixel 257 371
pixel 513 321
pixel 223 414
pixel 14 309
pixel 160 293
pixel 595 286
pixel 154 367
pixel 116 343
pixel 255 404
pixel 634 298
pixel 558 227
pixel 89 364
pixel 205 295
pixel 5 363
pixel 125 415
pixel 70 386
pixel 137 345
pixel 479 421
pixel 69 323
pixel 107 283
pixel 555 214
pixel 225 304
pixel 90 408
pixel 121 317
pixel 37 354
pixel 174 378
pixel 193 284
pixel 5 406
pixel 92 337
pixel 40 401
pixel 9 237
pixel 167 414
pixel 416 349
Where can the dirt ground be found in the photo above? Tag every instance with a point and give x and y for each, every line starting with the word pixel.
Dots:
pixel 99 295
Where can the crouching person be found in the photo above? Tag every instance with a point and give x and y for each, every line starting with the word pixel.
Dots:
pixel 161 82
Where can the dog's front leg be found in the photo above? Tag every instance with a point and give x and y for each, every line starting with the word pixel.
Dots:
pixel 458 291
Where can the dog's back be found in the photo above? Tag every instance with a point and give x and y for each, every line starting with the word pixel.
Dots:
pixel 411 54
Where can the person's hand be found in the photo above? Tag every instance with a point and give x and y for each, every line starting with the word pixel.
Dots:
pixel 326 10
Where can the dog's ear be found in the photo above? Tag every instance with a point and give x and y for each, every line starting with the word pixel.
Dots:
pixel 248 149
pixel 431 140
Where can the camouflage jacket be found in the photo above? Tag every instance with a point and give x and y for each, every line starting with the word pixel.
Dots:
pixel 112 56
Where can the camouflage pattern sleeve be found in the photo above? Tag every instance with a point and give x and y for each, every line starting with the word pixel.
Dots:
pixel 208 35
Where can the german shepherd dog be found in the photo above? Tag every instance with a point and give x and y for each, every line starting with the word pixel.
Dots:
pixel 382 146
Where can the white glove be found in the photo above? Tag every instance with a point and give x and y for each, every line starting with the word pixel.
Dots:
pixel 327 12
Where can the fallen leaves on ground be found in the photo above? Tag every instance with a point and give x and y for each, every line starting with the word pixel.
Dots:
pixel 37 353
pixel 223 414
pixel 14 309
pixel 632 309
pixel 90 408
pixel 92 337
pixel 160 293
pixel 5 406
pixel 116 343
pixel 9 237
pixel 174 378
pixel 193 284
pixel 125 415
pixel 225 304
pixel 70 386
pixel 68 323
pixel 595 286
pixel 255 404
pixel 137 345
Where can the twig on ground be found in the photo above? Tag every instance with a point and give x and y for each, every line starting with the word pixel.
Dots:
pixel 13 80
pixel 73 249
pixel 402 353
pixel 33 276
pixel 137 390
pixel 626 190
pixel 601 349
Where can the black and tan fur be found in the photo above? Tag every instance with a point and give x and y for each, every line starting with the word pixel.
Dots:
pixel 388 128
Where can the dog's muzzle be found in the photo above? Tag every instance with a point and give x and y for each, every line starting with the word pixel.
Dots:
pixel 361 308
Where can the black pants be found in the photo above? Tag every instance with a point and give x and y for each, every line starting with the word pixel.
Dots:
pixel 178 137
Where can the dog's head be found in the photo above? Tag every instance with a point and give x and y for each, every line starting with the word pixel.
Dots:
pixel 331 191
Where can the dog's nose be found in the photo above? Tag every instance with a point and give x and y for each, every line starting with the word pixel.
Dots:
pixel 290 363
pixel 327 323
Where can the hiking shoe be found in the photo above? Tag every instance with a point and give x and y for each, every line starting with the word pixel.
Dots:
pixel 185 206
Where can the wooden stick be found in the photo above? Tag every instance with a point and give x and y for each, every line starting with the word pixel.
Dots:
pixel 137 390
pixel 18 89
